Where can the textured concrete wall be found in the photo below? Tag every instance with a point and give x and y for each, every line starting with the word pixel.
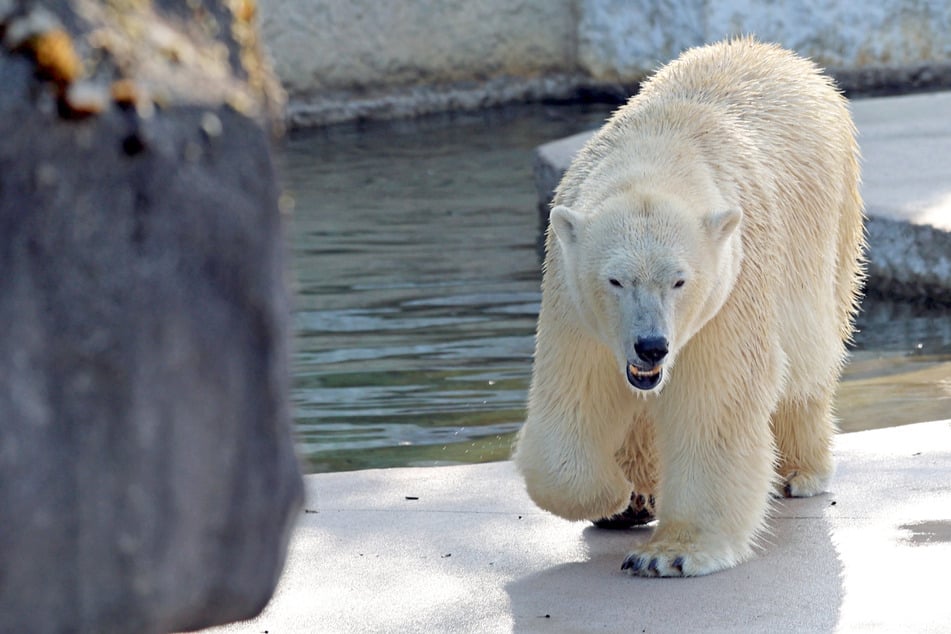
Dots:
pixel 367 49
pixel 344 59
pixel 619 40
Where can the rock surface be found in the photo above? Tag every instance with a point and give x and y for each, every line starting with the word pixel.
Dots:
pixel 148 480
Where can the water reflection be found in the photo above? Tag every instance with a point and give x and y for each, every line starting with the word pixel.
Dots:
pixel 900 369
pixel 415 254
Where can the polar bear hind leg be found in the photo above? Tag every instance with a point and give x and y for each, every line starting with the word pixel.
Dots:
pixel 803 428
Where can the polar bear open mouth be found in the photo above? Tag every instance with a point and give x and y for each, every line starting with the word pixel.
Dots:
pixel 644 379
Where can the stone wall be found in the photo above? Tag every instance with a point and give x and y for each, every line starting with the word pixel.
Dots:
pixel 619 40
pixel 345 59
pixel 362 45
pixel 341 59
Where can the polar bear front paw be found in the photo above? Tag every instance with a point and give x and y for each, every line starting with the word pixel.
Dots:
pixel 645 565
pixel 673 559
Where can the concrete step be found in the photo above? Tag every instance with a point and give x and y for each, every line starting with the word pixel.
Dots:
pixel 906 172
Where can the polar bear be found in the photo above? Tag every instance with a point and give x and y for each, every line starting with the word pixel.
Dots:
pixel 703 268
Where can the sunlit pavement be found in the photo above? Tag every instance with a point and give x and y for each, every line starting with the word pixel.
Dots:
pixel 462 549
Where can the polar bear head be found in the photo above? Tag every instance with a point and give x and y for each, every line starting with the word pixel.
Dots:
pixel 645 273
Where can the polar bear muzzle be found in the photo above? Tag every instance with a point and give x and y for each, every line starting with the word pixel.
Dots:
pixel 650 352
pixel 651 349
pixel 644 379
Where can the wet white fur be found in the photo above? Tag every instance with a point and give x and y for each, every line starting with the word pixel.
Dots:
pixel 736 169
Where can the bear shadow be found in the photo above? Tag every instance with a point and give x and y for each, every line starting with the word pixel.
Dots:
pixel 793 583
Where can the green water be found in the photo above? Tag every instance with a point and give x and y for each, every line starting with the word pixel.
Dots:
pixel 415 249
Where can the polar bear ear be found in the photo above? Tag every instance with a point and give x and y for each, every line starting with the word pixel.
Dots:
pixel 565 223
pixel 721 225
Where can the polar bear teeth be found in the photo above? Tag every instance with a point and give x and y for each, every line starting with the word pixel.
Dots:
pixel 636 371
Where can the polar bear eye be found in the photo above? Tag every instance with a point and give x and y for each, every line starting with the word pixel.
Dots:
pixel 614 282
pixel 679 283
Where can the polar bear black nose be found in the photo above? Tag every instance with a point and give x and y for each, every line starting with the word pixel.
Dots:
pixel 651 349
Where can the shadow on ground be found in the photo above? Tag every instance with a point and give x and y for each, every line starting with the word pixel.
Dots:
pixel 795 573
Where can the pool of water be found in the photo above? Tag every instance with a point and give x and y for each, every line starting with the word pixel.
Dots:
pixel 417 264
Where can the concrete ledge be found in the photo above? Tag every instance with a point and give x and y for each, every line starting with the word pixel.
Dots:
pixel 462 549
pixel 906 147
pixel 327 107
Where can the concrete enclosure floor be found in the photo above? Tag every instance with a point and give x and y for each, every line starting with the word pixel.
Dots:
pixel 463 549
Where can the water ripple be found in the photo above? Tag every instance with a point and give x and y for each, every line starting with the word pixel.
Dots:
pixel 418 274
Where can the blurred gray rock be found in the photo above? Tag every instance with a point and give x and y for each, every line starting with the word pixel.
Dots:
pixel 148 480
